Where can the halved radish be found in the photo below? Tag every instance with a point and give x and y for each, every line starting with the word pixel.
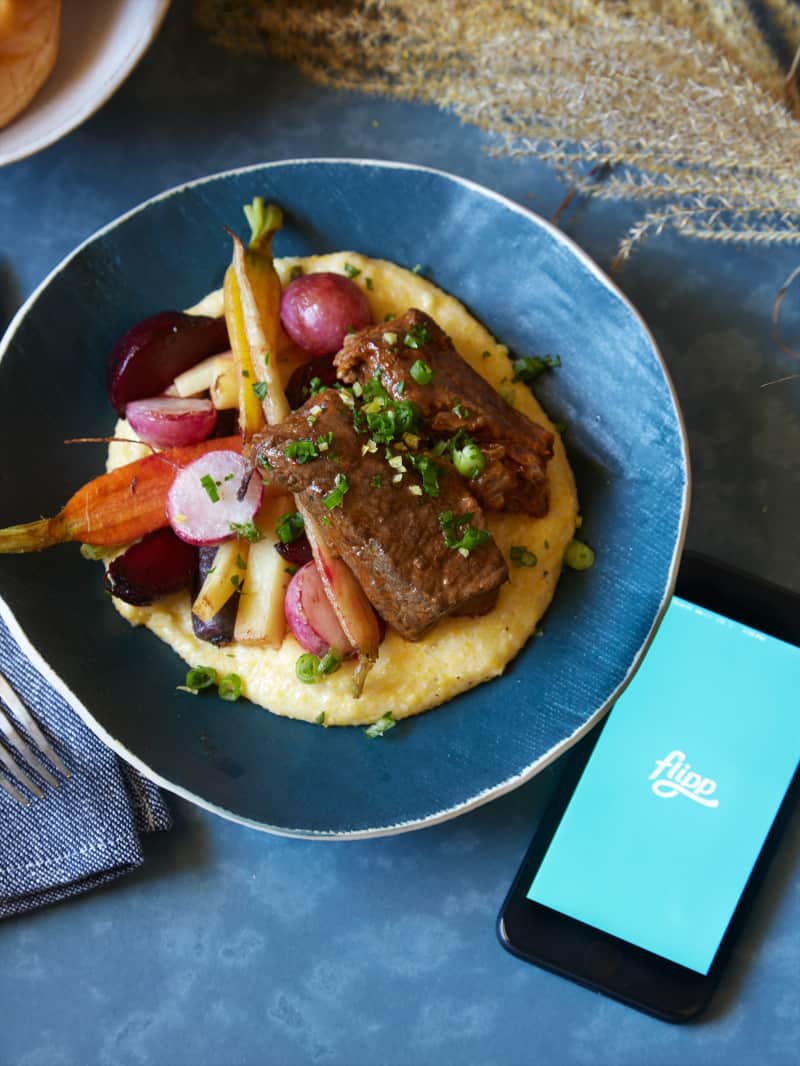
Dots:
pixel 171 422
pixel 310 616
pixel 203 505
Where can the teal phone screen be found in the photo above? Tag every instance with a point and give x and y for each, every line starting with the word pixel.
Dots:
pixel 680 792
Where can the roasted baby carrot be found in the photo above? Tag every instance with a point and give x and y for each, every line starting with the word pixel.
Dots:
pixel 114 508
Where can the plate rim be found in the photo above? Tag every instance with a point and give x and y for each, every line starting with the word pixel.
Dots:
pixel 91 105
pixel 534 768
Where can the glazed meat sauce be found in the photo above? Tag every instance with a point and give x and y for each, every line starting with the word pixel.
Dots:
pixel 389 536
pixel 516 449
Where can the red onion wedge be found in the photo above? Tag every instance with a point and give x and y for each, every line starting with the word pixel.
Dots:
pixel 310 616
pixel 203 505
pixel 170 422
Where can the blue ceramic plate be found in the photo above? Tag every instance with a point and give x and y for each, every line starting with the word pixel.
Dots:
pixel 536 292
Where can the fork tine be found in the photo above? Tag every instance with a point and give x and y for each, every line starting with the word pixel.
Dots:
pixel 14 792
pixel 16 771
pixel 22 748
pixel 18 708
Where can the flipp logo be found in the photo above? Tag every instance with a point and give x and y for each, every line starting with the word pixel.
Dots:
pixel 678 777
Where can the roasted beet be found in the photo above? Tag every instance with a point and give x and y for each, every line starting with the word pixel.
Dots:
pixel 220 629
pixel 147 359
pixel 297 552
pixel 298 387
pixel 157 565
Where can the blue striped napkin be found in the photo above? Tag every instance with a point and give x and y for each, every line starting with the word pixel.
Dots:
pixel 84 833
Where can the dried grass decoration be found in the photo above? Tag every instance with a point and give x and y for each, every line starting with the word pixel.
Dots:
pixel 693 102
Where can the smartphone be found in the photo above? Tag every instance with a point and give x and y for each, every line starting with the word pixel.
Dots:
pixel 646 860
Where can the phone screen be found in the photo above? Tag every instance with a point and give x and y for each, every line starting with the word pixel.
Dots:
pixel 680 792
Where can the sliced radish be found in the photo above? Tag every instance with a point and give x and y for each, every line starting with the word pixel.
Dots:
pixel 171 422
pixel 203 505
pixel 310 616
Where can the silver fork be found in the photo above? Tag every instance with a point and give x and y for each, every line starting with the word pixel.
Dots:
pixel 13 712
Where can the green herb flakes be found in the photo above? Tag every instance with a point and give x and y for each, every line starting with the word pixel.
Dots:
pixel 351 271
pixel 210 485
pixel 418 336
pixel 230 688
pixel 301 451
pixel 335 497
pixel 383 725
pixel 290 526
pixel 421 372
pixel 528 368
pixel 522 556
pixel 459 533
pixel 260 389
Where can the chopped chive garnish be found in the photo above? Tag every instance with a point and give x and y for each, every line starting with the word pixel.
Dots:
pixel 200 677
pixel 335 497
pixel 485 354
pixel 383 725
pixel 418 336
pixel 421 372
pixel 290 526
pixel 230 688
pixel 368 283
pixel 459 411
pixel 301 451
pixel 306 668
pixel 329 663
pixel 320 719
pixel 522 556
pixel 241 563
pixel 260 389
pixel 469 460
pixel 351 271
pixel 377 481
pixel 417 268
pixel 236 581
pixel 470 538
pixel 579 556
pixel 210 485
pixel 248 531
pixel 529 367
pixel 266 358
pixel 296 272
pixel 428 471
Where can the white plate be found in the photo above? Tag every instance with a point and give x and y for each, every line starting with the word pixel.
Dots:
pixel 101 43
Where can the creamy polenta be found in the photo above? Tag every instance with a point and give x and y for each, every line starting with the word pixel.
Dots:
pixel 458 653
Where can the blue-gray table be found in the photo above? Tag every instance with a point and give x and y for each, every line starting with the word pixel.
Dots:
pixel 230 946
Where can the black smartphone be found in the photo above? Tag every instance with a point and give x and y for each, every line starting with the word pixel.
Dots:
pixel 646 860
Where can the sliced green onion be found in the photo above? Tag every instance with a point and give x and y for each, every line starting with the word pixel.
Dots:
pixel 230 688
pixel 383 725
pixel 335 497
pixel 529 367
pixel 469 461
pixel 351 271
pixel 210 485
pixel 329 663
pixel 306 668
pixel 418 336
pixel 301 451
pixel 201 677
pixel 579 556
pixel 522 556
pixel 260 389
pixel 421 372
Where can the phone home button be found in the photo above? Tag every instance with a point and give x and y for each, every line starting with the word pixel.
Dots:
pixel 601 960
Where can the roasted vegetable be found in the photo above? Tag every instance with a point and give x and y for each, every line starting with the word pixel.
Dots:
pixel 114 508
